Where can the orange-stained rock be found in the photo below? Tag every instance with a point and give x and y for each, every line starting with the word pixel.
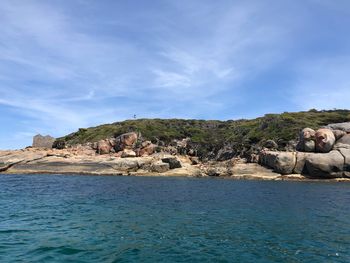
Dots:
pixel 126 141
pixel 148 148
pixel 325 140
pixel 104 147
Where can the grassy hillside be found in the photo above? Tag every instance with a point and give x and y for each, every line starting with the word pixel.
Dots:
pixel 209 135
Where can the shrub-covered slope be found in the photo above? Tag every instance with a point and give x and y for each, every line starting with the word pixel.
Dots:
pixel 210 135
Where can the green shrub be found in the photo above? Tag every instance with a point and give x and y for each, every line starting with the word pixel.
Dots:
pixel 211 135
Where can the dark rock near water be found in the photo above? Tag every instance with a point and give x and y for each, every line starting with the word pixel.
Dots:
pixel 300 167
pixel 159 167
pixel 325 165
pixel 335 164
pixel 173 162
pixel 280 162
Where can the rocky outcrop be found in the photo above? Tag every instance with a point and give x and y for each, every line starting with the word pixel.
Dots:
pixel 104 147
pixel 306 140
pixel 11 158
pixel 83 160
pixel 160 167
pixel 40 141
pixel 335 164
pixel 328 165
pixel 126 141
pixel 172 161
pixel 344 126
pixel 147 148
pixel 325 140
pixel 280 162
pixel 300 167
pixel 225 153
pixel 215 169
pixel 338 134
pixel 343 142
pixel 345 152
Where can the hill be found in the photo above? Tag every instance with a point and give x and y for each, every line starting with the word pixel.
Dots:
pixel 209 137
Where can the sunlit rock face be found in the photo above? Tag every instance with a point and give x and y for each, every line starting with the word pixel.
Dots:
pixel 325 140
pixel 306 140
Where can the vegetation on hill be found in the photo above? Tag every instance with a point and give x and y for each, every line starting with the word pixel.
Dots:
pixel 211 135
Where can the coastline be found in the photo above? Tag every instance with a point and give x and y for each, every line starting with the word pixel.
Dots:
pixel 65 162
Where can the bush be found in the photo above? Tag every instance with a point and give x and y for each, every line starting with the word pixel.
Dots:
pixel 210 136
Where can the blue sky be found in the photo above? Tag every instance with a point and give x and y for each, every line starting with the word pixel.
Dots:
pixel 71 64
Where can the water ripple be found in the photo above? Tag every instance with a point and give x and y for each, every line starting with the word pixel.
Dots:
pixel 152 219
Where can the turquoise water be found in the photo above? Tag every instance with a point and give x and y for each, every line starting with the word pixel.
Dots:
pixel 48 218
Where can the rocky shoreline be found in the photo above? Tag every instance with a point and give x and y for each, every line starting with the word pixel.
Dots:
pixel 69 161
pixel 323 154
pixel 319 155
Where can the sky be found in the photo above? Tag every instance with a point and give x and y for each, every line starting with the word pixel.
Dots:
pixel 70 64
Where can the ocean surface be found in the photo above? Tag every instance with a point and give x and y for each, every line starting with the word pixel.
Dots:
pixel 60 218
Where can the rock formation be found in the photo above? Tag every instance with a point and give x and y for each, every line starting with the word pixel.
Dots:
pixel 344 126
pixel 104 147
pixel 173 162
pixel 40 141
pixel 306 140
pixel 126 141
pixel 330 158
pixel 324 140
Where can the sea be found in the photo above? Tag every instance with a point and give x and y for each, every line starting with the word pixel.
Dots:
pixel 79 218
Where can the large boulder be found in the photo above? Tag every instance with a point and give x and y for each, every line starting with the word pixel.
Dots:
pixel 104 147
pixel 159 167
pixel 173 162
pixel 325 165
pixel 325 140
pixel 280 162
pixel 225 153
pixel 344 126
pixel 40 141
pixel 300 167
pixel 126 141
pixel 147 148
pixel 343 142
pixel 338 134
pixel 181 145
pixel 346 154
pixel 306 140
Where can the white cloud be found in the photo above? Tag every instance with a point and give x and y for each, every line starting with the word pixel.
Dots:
pixel 61 71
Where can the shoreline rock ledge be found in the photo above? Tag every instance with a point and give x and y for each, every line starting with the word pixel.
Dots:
pixel 324 153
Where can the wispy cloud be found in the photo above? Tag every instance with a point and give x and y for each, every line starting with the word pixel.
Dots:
pixel 65 65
